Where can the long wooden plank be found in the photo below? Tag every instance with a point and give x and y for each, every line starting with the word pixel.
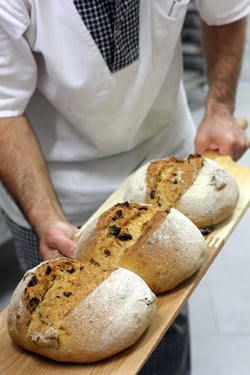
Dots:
pixel 15 360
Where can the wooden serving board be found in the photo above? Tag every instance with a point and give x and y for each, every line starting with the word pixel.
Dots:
pixel 14 360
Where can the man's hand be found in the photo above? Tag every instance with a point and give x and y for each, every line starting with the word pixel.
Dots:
pixel 56 240
pixel 221 133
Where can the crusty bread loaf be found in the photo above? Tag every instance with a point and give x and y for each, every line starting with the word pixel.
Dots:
pixel 198 187
pixel 163 247
pixel 71 312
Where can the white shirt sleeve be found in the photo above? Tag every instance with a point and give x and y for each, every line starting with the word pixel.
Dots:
pixel 220 12
pixel 18 71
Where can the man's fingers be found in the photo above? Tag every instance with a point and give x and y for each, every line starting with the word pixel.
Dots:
pixel 57 241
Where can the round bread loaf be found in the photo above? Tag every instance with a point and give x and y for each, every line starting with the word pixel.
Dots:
pixel 198 187
pixel 163 247
pixel 72 312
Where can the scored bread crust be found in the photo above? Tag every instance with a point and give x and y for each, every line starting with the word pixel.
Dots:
pixel 210 198
pixel 84 326
pixel 164 248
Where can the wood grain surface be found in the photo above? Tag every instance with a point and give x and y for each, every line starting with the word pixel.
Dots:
pixel 14 360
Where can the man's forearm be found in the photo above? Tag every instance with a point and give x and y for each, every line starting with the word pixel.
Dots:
pixel 24 173
pixel 218 129
pixel 223 48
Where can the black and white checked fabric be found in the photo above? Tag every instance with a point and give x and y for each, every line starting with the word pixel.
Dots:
pixel 114 26
pixel 26 246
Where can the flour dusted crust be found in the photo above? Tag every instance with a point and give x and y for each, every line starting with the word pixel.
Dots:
pixel 72 312
pixel 163 247
pixel 200 188
pixel 212 197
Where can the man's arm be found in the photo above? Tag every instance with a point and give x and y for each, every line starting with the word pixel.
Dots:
pixel 24 174
pixel 223 49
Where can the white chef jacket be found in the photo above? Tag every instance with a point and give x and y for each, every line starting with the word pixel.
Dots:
pixel 95 127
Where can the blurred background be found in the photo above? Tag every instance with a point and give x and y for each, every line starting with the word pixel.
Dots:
pixel 220 305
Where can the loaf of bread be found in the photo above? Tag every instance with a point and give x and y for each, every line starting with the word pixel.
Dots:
pixel 162 246
pixel 198 187
pixel 71 312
